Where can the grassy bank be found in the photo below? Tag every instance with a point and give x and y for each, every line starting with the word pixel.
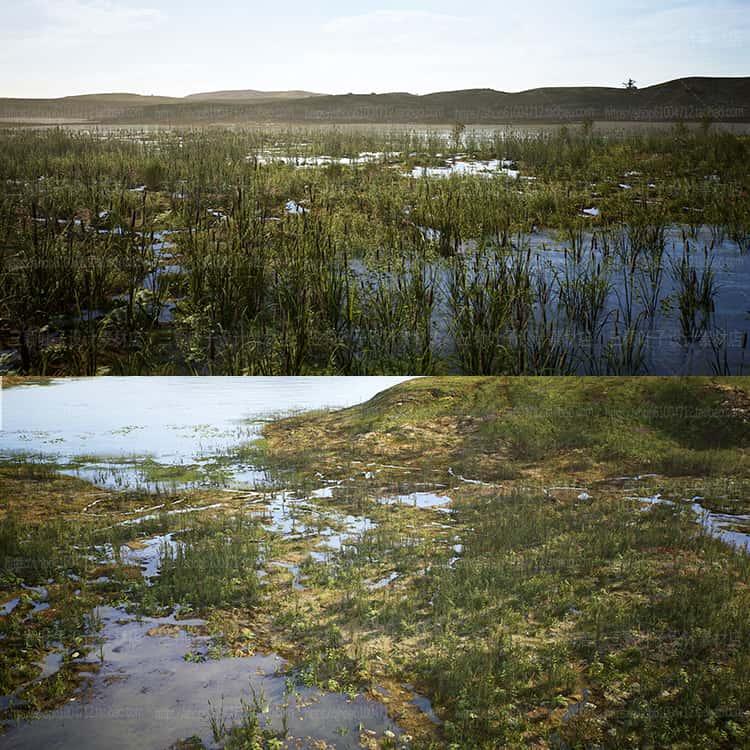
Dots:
pixel 570 615
pixel 527 428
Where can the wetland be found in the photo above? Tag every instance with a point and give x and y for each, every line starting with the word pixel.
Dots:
pixel 425 563
pixel 345 251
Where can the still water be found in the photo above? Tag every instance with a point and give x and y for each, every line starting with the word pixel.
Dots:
pixel 124 431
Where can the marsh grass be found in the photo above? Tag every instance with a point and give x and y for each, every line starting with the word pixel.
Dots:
pixel 696 294
pixel 361 276
pixel 213 564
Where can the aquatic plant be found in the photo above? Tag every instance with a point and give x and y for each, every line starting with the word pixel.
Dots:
pixel 696 292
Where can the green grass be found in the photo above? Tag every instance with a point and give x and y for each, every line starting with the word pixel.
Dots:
pixel 546 600
pixel 551 603
pixel 495 428
pixel 213 566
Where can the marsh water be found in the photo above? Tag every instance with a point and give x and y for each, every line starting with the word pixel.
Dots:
pixel 660 345
pixel 161 432
pixel 731 529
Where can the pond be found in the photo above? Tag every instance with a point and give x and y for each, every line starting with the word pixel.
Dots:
pixel 155 432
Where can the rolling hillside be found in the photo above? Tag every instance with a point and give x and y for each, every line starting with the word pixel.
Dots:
pixel 249 95
pixel 685 99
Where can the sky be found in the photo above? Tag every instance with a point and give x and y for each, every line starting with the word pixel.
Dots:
pixel 51 48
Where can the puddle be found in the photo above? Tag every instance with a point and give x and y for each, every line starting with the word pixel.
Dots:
pixel 283 515
pixel 293 207
pixel 10 701
pixel 151 282
pixel 39 603
pixel 365 157
pixel 147 695
pixel 38 607
pixel 323 493
pixel 351 529
pixel 430 234
pixel 51 664
pixel 470 481
pixel 148 557
pixel 383 582
pixel 481 168
pixel 659 343
pixel 292 517
pixel 419 500
pixel 8 607
pixel 179 511
pixel 425 706
pixel 724 526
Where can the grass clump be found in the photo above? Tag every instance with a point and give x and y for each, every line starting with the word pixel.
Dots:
pixel 213 565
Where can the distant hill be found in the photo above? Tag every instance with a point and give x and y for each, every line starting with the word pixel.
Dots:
pixel 117 98
pixel 247 94
pixel 685 99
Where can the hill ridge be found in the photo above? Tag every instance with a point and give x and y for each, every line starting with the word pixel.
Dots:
pixel 692 98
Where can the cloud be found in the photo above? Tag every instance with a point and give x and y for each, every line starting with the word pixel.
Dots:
pixel 402 29
pixel 61 22
pixel 42 36
pixel 101 17
pixel 392 20
pixel 693 24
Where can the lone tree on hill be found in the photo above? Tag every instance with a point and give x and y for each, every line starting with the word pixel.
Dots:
pixel 630 85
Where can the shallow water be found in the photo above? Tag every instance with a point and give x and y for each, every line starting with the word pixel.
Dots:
pixel 419 500
pixel 733 530
pixel 467 167
pixel 292 517
pixel 147 695
pixel 103 428
pixel 9 606
pixel 664 349
pixel 425 706
pixel 149 556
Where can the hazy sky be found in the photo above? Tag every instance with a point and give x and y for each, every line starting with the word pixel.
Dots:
pixel 175 47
